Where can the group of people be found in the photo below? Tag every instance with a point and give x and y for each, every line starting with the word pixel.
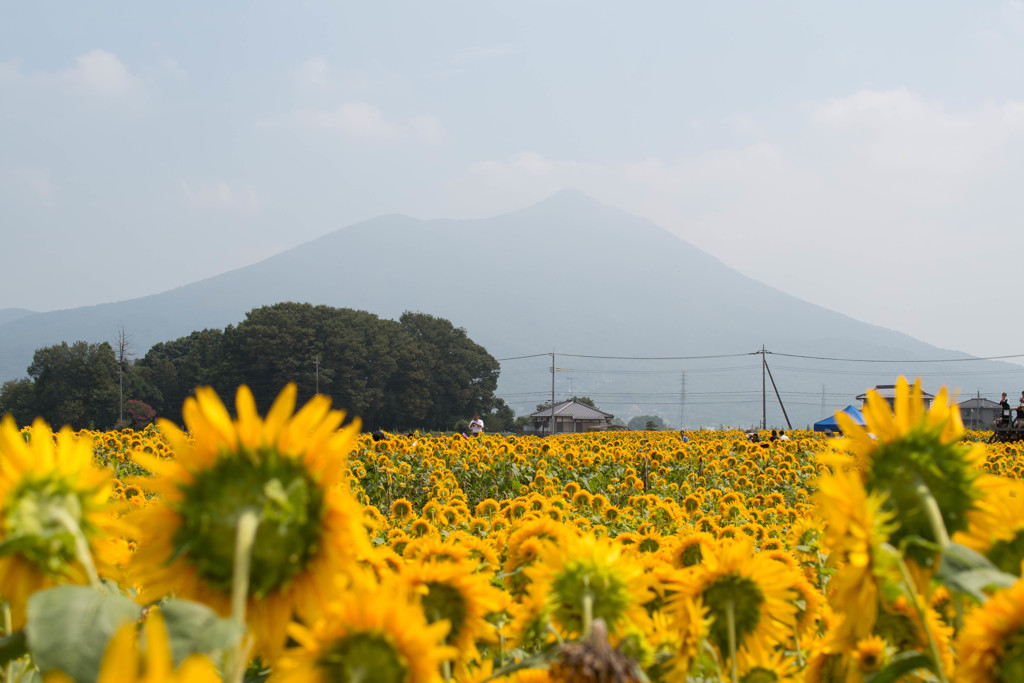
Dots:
pixel 1004 418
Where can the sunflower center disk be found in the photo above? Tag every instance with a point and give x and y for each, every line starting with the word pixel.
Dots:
pixel 746 600
pixel 34 524
pixel 575 582
pixel 361 658
pixel 1010 667
pixel 289 505
pixel 445 602
pixel 1007 554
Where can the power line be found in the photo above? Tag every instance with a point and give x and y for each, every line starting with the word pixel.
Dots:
pixel 888 360
pixel 774 353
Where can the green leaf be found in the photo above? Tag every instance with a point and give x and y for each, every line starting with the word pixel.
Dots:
pixel 69 628
pixel 540 660
pixel 14 646
pixel 195 628
pixel 901 664
pixel 960 557
pixel 975 582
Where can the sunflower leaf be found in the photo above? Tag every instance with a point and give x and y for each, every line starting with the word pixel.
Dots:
pixel 69 628
pixel 901 664
pixel 195 628
pixel 975 582
pixel 960 557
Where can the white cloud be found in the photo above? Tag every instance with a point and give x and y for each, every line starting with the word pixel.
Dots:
pixel 314 75
pixel 365 121
pixel 356 119
pixel 97 74
pixel 101 72
pixel 221 195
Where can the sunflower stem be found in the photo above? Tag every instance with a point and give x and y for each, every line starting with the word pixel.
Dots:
pixel 81 545
pixel 799 653
pixel 913 598
pixel 446 670
pixel 588 613
pixel 931 508
pixel 8 630
pixel 245 539
pixel 730 619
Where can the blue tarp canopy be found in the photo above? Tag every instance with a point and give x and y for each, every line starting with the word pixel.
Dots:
pixel 829 424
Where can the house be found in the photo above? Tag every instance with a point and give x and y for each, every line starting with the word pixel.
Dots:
pixel 978 413
pixel 888 392
pixel 570 417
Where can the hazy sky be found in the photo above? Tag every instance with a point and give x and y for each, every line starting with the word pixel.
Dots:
pixel 867 156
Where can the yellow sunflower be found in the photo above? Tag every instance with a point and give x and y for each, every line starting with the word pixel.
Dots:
pixel 50 491
pixel 749 599
pixel 915 459
pixel 996 526
pixel 368 632
pixel 990 646
pixel 583 578
pixel 856 528
pixel 289 468
pixel 456 593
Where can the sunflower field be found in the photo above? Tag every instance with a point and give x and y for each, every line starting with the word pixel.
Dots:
pixel 290 547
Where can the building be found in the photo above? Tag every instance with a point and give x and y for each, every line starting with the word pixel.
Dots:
pixel 570 417
pixel 888 392
pixel 978 413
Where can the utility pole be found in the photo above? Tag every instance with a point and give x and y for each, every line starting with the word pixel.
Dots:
pixel 822 398
pixel 552 432
pixel 764 402
pixel 316 362
pixel 682 400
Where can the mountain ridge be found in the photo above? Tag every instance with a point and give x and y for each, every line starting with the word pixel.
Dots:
pixel 568 272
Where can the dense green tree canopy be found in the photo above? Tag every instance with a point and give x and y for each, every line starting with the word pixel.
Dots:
pixel 417 372
pixel 420 371
pixel 75 385
pixel 641 422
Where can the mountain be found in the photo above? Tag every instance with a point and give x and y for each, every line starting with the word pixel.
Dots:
pixel 8 314
pixel 568 274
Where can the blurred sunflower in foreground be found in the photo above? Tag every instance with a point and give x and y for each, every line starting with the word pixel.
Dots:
pixel 52 497
pixel 289 469
pixel 914 460
pixel 368 632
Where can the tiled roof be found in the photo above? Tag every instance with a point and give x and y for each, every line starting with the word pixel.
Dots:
pixel 973 403
pixel 574 410
pixel 889 391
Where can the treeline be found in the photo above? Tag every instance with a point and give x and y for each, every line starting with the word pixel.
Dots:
pixel 417 372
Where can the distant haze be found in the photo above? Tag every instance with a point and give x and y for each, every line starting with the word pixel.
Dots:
pixel 865 156
pixel 569 275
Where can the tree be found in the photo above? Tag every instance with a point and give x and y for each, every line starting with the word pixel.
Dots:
pixel 122 347
pixel 18 399
pixel 141 413
pixel 500 419
pixel 420 371
pixel 76 384
pixel 648 422
pixel 171 371
pixel 461 375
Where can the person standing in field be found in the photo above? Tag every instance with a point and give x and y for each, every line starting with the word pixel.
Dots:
pixel 1004 407
pixel 476 426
